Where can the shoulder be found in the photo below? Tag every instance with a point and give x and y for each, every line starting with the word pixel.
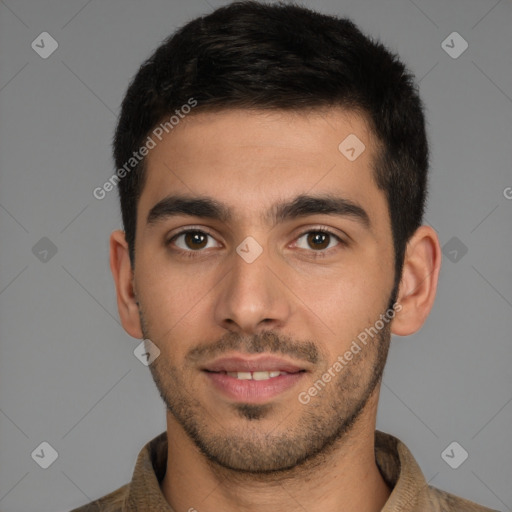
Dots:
pixel 112 502
pixel 442 501
pixel 411 492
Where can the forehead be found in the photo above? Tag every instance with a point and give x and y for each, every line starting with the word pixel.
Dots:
pixel 251 159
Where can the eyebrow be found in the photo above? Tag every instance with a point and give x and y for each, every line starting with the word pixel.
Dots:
pixel 300 206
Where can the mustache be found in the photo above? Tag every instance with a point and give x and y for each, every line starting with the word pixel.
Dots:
pixel 267 341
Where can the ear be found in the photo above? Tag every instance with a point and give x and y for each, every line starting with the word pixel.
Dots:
pixel 122 272
pixel 418 285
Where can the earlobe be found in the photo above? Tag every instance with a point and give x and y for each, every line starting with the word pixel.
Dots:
pixel 422 263
pixel 122 273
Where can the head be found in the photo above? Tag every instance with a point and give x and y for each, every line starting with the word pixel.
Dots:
pixel 262 96
pixel 282 57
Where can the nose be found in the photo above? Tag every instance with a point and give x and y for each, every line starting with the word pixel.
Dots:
pixel 251 297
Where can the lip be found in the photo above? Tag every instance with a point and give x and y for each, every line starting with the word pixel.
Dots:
pixel 252 391
pixel 245 364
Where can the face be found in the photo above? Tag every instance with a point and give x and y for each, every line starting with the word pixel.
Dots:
pixel 254 293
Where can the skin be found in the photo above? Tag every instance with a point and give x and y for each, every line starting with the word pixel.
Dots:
pixel 281 454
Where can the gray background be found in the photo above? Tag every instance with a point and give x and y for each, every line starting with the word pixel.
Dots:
pixel 68 375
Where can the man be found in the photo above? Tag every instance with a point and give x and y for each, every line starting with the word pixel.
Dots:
pixel 272 167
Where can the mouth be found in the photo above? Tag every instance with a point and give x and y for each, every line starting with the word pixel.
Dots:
pixel 260 375
pixel 250 380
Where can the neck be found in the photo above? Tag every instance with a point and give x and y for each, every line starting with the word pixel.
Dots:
pixel 344 479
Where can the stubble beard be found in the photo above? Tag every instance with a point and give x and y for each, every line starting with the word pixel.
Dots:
pixel 289 444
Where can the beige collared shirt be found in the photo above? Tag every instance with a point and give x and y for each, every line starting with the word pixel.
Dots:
pixel 411 492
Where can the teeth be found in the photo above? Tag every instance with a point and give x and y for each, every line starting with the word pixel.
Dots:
pixel 255 375
pixel 260 375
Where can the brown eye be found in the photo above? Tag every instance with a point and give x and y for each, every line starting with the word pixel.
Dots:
pixel 318 240
pixel 195 239
pixel 191 240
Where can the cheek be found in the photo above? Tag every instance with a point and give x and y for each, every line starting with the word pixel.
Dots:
pixel 172 300
pixel 346 301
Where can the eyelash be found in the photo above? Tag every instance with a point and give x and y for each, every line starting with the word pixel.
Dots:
pixel 317 254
